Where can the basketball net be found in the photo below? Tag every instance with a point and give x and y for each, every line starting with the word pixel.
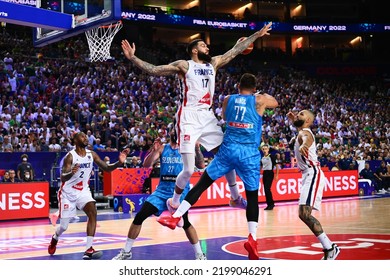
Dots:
pixel 100 39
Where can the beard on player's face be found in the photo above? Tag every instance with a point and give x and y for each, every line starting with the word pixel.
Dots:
pixel 299 123
pixel 203 56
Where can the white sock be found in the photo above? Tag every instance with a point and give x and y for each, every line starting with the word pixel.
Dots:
pixel 89 242
pixel 234 194
pixel 252 228
pixel 184 206
pixel 129 244
pixel 197 248
pixel 326 243
pixel 176 198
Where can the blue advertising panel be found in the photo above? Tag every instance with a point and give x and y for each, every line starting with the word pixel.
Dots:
pixel 173 19
pixel 34 17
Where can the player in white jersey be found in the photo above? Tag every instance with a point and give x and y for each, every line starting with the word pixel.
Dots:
pixel 313 179
pixel 75 193
pixel 195 121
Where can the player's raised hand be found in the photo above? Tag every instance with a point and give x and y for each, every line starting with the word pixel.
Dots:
pixel 291 116
pixel 265 30
pixel 123 155
pixel 157 144
pixel 128 50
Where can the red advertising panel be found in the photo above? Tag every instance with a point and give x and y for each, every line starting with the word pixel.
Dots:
pixel 125 180
pixel 24 200
pixel 287 187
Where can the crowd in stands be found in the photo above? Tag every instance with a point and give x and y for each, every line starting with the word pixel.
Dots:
pixel 46 98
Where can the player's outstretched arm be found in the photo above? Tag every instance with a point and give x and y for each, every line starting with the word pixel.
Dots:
pixel 160 70
pixel 221 60
pixel 154 153
pixel 111 166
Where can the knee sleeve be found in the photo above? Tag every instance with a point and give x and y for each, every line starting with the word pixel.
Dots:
pixel 147 210
pixel 187 223
pixel 188 168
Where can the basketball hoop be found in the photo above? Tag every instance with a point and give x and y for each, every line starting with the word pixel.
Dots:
pixel 100 39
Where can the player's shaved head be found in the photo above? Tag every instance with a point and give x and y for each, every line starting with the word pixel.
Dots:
pixel 310 115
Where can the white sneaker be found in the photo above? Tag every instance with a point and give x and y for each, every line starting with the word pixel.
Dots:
pixel 123 255
pixel 201 257
pixel 332 253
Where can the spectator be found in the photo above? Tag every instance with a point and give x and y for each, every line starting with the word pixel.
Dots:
pixel 98 147
pixel 7 146
pixel 368 174
pixel 8 62
pixel 66 146
pixel 134 163
pixel 44 146
pixel 5 178
pixel 25 171
pixel 12 176
pixel 54 146
pixel 383 177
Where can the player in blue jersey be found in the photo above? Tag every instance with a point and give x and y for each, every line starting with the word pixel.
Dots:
pixel 171 164
pixel 240 151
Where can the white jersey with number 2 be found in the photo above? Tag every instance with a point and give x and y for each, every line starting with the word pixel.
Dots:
pixel 80 180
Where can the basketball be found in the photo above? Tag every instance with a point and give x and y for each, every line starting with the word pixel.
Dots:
pixel 249 49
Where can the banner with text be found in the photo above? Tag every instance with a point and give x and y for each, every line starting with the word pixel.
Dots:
pixel 24 200
pixel 287 187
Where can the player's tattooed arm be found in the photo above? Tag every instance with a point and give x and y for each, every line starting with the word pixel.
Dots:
pixel 160 70
pixel 221 60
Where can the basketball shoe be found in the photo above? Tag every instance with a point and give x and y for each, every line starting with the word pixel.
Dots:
pixel 240 202
pixel 123 255
pixel 201 257
pixel 332 253
pixel 52 246
pixel 251 247
pixel 169 221
pixel 172 209
pixel 92 254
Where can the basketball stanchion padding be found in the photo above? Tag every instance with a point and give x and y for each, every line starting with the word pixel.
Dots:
pixel 100 39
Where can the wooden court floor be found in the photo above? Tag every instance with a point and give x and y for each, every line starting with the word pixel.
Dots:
pixel 359 225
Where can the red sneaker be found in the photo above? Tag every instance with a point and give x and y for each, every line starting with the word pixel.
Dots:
pixel 92 254
pixel 169 221
pixel 52 246
pixel 251 247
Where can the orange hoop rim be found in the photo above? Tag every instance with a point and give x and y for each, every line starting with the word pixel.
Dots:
pixel 111 25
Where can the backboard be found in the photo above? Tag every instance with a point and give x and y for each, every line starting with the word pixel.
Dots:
pixel 87 14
